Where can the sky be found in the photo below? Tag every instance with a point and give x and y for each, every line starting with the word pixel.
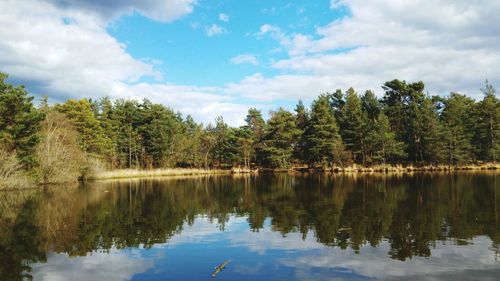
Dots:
pixel 210 58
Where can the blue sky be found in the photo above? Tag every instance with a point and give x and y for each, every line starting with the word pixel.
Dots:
pixel 219 58
pixel 189 55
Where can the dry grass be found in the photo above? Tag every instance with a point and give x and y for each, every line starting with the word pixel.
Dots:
pixel 176 172
pixel 411 168
pixel 12 175
pixel 134 173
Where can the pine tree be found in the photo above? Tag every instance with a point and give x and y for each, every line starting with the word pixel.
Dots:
pixel 20 122
pixel 280 138
pixel 128 144
pixel 458 109
pixel 301 120
pixel 256 125
pixel 324 144
pixel 91 136
pixel 488 124
pixel 353 128
pixel 383 142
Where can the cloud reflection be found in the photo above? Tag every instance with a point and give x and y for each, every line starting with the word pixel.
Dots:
pixel 113 266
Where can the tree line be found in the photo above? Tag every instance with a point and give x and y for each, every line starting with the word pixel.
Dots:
pixel 404 126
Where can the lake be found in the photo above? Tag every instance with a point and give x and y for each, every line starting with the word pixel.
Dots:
pixel 267 227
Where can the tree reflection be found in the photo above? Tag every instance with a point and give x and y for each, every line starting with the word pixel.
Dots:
pixel 411 212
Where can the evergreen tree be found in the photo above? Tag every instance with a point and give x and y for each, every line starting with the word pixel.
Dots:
pixel 280 138
pixel 371 105
pixel 256 124
pixel 301 120
pixel 192 145
pixel 353 128
pixel 488 124
pixel 225 150
pixel 244 138
pixel 128 144
pixel 383 143
pixel 413 117
pixel 91 136
pixel 324 144
pixel 161 132
pixel 208 143
pixel 456 115
pixel 19 122
pixel 431 131
pixel 110 126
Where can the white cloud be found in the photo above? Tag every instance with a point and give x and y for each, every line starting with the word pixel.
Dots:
pixel 160 10
pixel 446 262
pixel 223 17
pixel 281 87
pixel 67 53
pixel 335 4
pixel 62 48
pixel 450 45
pixel 75 59
pixel 215 29
pixel 245 58
pixel 113 266
pixel 275 32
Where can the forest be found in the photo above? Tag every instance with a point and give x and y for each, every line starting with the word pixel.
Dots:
pixel 406 126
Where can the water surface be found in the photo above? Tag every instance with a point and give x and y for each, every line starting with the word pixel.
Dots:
pixel 270 227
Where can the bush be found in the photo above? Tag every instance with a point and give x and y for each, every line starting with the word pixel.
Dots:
pixel 12 175
pixel 59 157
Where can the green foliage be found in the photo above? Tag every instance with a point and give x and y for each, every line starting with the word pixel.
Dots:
pixel 382 142
pixel 457 121
pixel 91 135
pixel 256 126
pixel 302 121
pixel 324 144
pixel 280 139
pixel 19 122
pixel 404 126
pixel 414 119
pixel 487 127
pixel 353 126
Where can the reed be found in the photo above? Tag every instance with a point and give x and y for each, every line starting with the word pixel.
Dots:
pixel 136 173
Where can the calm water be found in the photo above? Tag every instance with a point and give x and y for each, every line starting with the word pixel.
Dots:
pixel 281 227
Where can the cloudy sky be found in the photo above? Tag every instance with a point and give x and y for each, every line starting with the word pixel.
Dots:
pixel 209 58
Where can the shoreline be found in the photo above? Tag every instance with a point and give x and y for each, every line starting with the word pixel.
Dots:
pixel 385 169
pixel 124 174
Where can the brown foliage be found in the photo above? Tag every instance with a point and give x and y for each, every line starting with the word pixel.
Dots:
pixel 12 175
pixel 59 157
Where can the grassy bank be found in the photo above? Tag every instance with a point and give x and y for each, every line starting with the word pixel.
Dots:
pixel 404 169
pixel 135 173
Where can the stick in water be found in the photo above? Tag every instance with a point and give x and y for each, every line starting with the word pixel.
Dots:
pixel 220 267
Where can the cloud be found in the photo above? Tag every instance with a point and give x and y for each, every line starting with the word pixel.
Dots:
pixel 215 29
pixel 245 58
pixel 210 102
pixel 448 262
pixel 65 60
pixel 281 87
pixel 275 32
pixel 62 48
pixel 224 17
pixel 113 266
pixel 336 4
pixel 450 45
pixel 67 53
pixel 160 10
